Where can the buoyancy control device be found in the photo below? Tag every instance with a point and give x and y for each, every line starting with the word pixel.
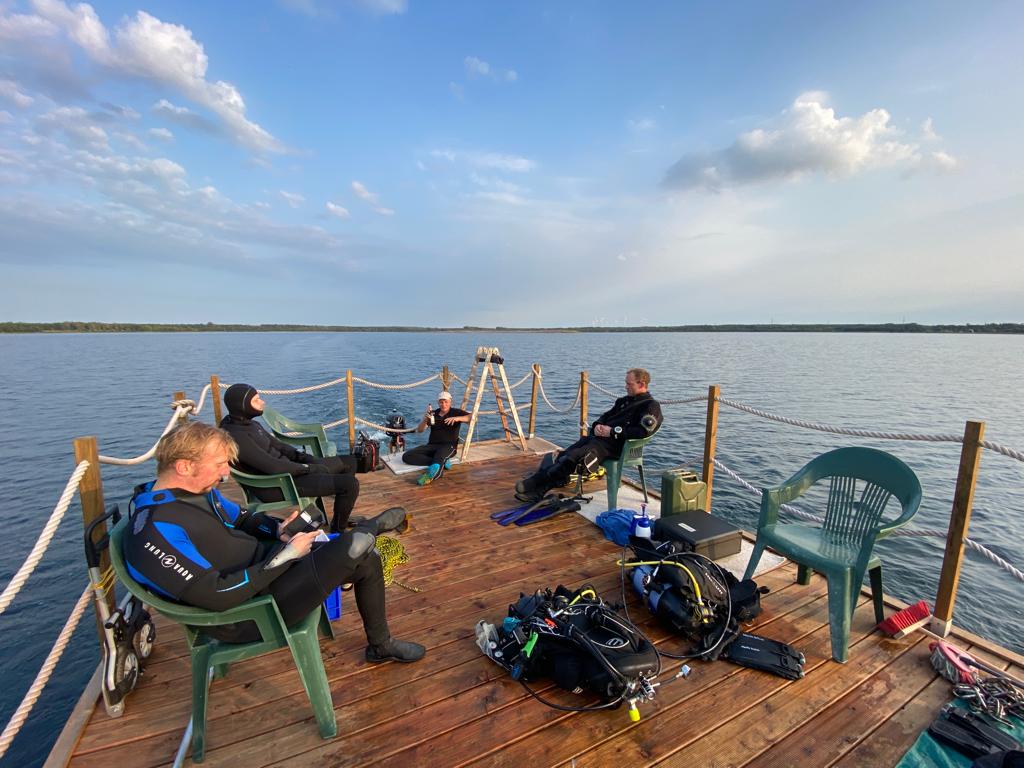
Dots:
pixel 577 640
pixel 697 598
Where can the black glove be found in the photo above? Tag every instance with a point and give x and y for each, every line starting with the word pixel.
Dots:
pixel 317 469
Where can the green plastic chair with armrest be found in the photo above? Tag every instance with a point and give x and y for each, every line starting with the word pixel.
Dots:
pixel 209 654
pixel 312 438
pixel 861 483
pixel 283 482
pixel 632 456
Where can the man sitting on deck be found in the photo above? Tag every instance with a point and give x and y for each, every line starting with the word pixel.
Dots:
pixel 260 453
pixel 445 423
pixel 637 415
pixel 191 544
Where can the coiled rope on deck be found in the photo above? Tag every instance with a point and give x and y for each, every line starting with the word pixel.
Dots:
pixel 34 691
pixel 392 554
pixel 969 543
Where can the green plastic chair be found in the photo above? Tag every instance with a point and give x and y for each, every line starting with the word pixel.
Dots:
pixel 632 456
pixel 312 438
pixel 209 654
pixel 283 482
pixel 861 482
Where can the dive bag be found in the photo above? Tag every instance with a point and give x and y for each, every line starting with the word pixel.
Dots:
pixel 578 641
pixel 367 452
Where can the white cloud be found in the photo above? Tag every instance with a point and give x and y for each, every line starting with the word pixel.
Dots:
pixel 486 160
pixel 10 91
pixel 337 210
pixel 76 124
pixel 20 26
pixel 161 133
pixel 476 67
pixel 928 131
pixel 164 53
pixel 943 162
pixel 806 138
pixel 385 7
pixel 293 199
pixel 372 198
pixel 131 140
pixel 641 125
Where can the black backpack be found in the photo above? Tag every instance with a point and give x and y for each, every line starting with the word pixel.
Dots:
pixel 367 452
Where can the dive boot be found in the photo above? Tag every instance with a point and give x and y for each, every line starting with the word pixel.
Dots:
pixel 393 519
pixel 395 650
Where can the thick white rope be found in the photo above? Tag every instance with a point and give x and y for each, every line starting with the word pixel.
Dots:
pixel 871 433
pixel 455 377
pixel 34 691
pixel 198 408
pixel 413 385
pixel 16 583
pixel 521 381
pixel 969 543
pixel 298 391
pixel 382 428
pixel 543 394
pixel 181 409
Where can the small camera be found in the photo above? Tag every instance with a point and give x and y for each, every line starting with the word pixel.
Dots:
pixel 309 519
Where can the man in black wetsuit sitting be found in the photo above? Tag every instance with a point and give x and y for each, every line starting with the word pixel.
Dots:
pixel 188 542
pixel 445 423
pixel 260 453
pixel 634 416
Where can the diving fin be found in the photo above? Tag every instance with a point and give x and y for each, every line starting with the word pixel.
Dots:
pixel 543 513
pixel 506 512
pixel 767 655
pixel 520 512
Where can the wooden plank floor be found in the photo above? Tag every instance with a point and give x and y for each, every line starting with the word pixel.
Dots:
pixel 457 708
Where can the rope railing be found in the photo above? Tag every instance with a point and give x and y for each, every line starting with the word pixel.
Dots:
pixel 412 385
pixel 543 394
pixel 299 390
pixel 25 708
pixel 969 543
pixel 181 409
pixel 19 579
pixel 522 381
pixel 837 430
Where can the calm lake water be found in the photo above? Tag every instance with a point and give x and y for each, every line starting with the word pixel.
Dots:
pixel 118 386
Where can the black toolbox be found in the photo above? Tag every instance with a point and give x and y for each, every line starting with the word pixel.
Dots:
pixel 697 531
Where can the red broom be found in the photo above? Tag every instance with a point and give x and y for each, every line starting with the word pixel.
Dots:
pixel 911 618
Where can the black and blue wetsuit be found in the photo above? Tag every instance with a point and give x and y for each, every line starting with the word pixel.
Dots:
pixel 205 550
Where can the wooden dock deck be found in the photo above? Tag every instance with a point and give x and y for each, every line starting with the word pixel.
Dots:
pixel 457 708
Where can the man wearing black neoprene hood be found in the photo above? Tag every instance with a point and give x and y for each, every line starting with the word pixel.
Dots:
pixel 260 453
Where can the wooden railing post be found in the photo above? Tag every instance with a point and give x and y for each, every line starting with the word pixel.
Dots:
pixel 215 394
pixel 959 522
pixel 446 378
pixel 584 427
pixel 90 491
pixel 710 436
pixel 350 395
pixel 533 400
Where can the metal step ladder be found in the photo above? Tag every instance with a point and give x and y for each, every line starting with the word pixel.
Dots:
pixel 489 362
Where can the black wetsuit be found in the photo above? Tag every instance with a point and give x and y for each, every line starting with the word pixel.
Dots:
pixel 260 453
pixel 625 416
pixel 205 550
pixel 442 443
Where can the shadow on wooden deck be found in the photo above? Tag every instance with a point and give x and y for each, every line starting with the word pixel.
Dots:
pixel 457 708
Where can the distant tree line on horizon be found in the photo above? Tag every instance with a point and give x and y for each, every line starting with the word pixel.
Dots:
pixel 88 327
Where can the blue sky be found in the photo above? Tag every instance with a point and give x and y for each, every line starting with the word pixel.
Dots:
pixel 520 164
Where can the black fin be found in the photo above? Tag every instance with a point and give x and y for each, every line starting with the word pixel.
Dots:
pixel 767 655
